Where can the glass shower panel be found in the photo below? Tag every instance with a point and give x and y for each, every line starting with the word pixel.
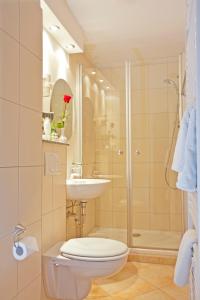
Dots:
pixel 104 147
pixel 157 210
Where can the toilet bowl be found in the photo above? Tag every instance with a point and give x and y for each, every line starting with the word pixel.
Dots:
pixel 69 267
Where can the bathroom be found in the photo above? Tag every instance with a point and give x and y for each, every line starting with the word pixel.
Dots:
pixel 125 101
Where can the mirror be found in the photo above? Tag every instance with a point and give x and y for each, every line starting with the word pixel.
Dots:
pixel 61 88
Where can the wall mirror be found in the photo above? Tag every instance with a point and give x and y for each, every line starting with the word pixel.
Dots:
pixel 57 105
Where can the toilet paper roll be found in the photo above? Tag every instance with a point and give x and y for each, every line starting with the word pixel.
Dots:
pixel 25 247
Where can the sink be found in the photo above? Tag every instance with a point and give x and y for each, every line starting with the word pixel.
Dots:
pixel 86 189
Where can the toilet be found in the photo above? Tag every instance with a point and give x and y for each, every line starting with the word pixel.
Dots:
pixel 69 267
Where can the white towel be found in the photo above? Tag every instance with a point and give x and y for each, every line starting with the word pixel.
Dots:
pixel 185 162
pixel 184 259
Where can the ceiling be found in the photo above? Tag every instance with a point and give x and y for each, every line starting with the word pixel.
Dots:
pixel 116 30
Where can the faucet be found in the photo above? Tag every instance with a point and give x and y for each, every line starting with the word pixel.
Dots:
pixel 76 170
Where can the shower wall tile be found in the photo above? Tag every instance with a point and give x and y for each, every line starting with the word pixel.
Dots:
pixel 160 222
pixel 140 126
pixel 159 150
pixel 119 203
pixel 157 101
pixel 139 102
pixel 119 220
pixel 141 175
pixel 105 201
pixel 176 205
pixel 159 201
pixel 158 125
pixel 157 175
pixel 9 64
pixel 176 222
pixel 104 218
pixel 141 200
pixel 141 221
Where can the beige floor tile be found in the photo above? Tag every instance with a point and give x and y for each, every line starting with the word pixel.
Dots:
pixel 155 295
pixel 157 275
pixel 97 292
pixel 139 287
pixel 139 281
pixel 176 292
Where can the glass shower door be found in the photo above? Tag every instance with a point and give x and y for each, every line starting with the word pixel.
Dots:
pixel 157 206
pixel 104 147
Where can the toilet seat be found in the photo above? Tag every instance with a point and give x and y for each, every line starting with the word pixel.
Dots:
pixel 93 249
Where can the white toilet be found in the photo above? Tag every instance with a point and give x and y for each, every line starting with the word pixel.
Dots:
pixel 69 267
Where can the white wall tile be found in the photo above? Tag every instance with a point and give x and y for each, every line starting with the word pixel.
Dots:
pixel 31 25
pixel 9 17
pixel 47 194
pixel 9 68
pixel 30 80
pixel 30 139
pixel 30 193
pixel 59 188
pixel 59 225
pixel 30 268
pixel 8 199
pixel 9 131
pixel 47 231
pixel 8 270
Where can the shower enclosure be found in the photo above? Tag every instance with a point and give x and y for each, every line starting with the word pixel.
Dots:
pixel 129 128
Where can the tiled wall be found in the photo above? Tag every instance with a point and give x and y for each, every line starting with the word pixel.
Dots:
pixel 20 151
pixel 54 201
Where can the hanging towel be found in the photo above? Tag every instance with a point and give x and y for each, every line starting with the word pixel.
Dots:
pixel 185 162
pixel 184 259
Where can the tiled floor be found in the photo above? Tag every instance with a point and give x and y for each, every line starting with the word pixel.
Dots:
pixel 145 238
pixel 139 281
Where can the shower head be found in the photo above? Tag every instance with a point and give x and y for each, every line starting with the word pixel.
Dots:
pixel 171 82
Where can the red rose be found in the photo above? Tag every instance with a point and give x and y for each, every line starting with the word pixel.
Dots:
pixel 67 98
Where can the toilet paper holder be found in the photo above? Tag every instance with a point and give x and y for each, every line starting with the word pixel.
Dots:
pixel 19 229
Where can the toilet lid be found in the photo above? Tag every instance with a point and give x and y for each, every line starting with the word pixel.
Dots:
pixel 93 247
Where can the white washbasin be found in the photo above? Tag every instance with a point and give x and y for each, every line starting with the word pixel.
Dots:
pixel 86 189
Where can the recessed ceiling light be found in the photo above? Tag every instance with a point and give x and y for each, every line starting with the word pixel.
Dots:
pixel 70 46
pixel 54 28
pixel 107 87
pixel 100 80
pixel 93 72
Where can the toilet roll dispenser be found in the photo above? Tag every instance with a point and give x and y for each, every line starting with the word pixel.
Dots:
pixel 23 247
pixel 18 231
